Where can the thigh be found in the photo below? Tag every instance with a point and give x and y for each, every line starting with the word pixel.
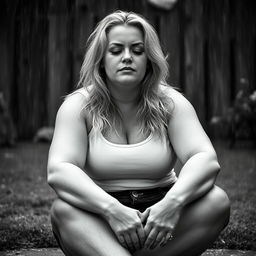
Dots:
pixel 200 224
pixel 83 233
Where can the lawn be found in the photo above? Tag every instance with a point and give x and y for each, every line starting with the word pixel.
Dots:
pixel 25 198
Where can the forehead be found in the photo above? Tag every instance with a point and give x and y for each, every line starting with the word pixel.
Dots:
pixel 124 34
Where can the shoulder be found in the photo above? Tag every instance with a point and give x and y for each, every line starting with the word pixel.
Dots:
pixel 78 96
pixel 178 101
pixel 73 105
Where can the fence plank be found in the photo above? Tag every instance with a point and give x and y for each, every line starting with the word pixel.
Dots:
pixel 217 19
pixel 245 43
pixel 194 59
pixel 169 35
pixel 7 28
pixel 83 23
pixel 31 69
pixel 59 56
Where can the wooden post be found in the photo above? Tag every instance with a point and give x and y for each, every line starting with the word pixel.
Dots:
pixel 169 36
pixel 217 19
pixel 7 46
pixel 193 56
pixel 83 26
pixel 244 31
pixel 31 67
pixel 59 56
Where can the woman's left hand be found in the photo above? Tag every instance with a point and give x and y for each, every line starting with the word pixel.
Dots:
pixel 161 219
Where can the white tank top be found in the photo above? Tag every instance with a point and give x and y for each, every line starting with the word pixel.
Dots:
pixel 115 167
pixel 144 165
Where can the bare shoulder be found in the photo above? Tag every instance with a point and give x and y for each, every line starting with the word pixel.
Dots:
pixel 73 104
pixel 178 100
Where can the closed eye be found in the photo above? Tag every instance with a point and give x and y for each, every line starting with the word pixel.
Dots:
pixel 115 51
pixel 138 49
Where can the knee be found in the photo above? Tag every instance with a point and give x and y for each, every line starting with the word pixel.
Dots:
pixel 60 211
pixel 219 204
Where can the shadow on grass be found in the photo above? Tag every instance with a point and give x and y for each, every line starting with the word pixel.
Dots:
pixel 25 197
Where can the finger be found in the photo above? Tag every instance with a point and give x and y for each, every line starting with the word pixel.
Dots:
pixel 144 215
pixel 141 235
pixel 158 239
pixel 151 238
pixel 168 237
pixel 135 240
pixel 122 241
pixel 147 229
pixel 129 242
pixel 162 243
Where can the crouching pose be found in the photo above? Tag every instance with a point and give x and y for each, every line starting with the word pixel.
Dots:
pixel 116 141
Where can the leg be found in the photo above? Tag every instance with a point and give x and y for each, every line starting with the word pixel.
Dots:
pixel 199 226
pixel 83 233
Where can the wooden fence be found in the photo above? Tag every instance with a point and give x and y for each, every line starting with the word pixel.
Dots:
pixel 211 46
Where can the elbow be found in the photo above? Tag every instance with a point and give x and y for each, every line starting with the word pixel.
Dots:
pixel 214 166
pixel 50 180
pixel 217 167
pixel 51 174
pixel 211 163
pixel 215 163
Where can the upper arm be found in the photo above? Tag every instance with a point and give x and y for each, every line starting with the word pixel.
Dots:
pixel 185 131
pixel 69 142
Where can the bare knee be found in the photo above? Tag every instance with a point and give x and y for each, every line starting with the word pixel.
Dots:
pixel 61 211
pixel 219 204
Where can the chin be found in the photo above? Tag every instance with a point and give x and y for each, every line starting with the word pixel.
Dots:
pixel 129 82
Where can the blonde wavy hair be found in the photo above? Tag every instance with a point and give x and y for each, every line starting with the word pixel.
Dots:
pixel 153 106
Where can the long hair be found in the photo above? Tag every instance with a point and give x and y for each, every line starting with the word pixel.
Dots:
pixel 154 106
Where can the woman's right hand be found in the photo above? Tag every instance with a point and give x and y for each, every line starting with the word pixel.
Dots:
pixel 126 224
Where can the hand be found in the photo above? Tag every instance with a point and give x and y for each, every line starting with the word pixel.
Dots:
pixel 161 219
pixel 126 224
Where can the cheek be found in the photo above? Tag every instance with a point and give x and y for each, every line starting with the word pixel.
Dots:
pixel 107 65
pixel 143 65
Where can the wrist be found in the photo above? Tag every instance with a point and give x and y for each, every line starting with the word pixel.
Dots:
pixel 174 200
pixel 109 208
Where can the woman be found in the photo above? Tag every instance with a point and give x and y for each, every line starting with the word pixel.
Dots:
pixel 114 148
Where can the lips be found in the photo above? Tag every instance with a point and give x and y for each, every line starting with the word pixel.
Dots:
pixel 126 69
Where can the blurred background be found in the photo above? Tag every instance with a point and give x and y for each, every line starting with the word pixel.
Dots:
pixel 211 49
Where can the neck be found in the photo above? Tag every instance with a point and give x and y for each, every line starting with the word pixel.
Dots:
pixel 124 96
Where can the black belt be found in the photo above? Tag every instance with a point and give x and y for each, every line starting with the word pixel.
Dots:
pixel 141 196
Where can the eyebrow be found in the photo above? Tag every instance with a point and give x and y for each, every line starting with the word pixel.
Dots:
pixel 120 44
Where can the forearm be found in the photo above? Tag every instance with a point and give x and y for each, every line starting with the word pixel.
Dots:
pixel 74 186
pixel 196 178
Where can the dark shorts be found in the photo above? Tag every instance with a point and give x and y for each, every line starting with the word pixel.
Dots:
pixel 136 199
pixel 140 199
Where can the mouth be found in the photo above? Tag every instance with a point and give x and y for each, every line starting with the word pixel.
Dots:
pixel 126 69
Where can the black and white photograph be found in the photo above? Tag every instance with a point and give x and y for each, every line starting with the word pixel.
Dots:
pixel 128 127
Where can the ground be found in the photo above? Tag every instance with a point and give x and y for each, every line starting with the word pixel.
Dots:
pixel 57 252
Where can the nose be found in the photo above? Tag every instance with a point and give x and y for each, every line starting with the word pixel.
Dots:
pixel 127 57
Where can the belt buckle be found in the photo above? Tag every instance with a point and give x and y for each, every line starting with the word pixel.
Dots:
pixel 135 195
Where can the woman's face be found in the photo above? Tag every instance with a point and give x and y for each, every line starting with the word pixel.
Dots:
pixel 125 60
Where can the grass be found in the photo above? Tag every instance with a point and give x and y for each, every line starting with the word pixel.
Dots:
pixel 25 198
